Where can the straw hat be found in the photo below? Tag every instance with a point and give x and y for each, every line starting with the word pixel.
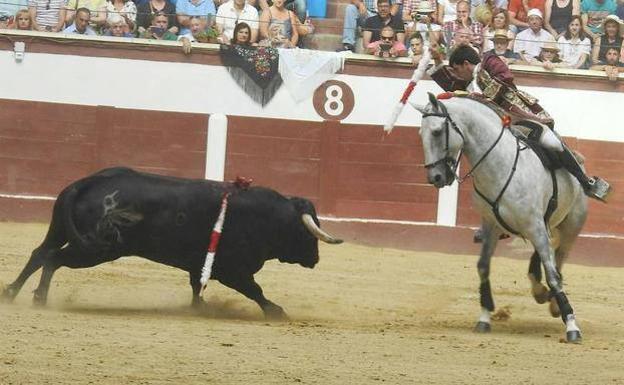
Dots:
pixel 550 46
pixel 500 34
pixel 424 7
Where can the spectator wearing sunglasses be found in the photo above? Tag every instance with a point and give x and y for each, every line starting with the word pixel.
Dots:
pixel 375 24
pixel 387 46
pixel 147 9
pixel 230 14
pixel 47 15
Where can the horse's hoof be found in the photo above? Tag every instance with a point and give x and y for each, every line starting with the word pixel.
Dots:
pixel 482 327
pixel 554 309
pixel 574 337
pixel 541 294
pixel 198 304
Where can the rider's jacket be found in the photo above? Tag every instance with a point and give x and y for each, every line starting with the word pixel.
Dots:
pixel 493 79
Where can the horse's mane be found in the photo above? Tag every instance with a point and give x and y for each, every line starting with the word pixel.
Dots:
pixel 496 113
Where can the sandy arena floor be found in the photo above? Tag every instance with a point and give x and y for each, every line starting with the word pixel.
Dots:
pixel 364 315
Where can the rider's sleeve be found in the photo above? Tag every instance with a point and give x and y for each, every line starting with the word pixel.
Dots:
pixel 498 69
pixel 446 78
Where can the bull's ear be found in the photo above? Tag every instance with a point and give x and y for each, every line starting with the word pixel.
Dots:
pixel 433 100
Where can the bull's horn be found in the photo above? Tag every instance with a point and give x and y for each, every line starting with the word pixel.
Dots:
pixel 308 222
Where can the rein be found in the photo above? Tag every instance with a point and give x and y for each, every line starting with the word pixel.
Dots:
pixel 453 163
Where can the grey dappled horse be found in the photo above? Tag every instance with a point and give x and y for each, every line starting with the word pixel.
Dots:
pixel 508 201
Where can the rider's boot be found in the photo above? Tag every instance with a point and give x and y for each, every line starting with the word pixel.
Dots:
pixel 594 187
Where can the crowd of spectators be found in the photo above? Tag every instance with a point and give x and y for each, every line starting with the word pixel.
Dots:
pixel 273 23
pixel 579 34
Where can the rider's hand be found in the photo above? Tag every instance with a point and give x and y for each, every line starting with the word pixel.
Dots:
pixel 436 54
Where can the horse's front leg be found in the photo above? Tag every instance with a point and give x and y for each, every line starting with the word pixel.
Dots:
pixel 490 238
pixel 539 291
pixel 541 242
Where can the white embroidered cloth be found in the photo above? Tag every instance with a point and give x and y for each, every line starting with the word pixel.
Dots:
pixel 304 70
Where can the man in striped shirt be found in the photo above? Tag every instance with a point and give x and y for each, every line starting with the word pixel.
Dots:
pixel 47 15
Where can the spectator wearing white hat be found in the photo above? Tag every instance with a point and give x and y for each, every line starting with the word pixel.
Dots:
pixel 529 42
pixel 612 26
pixel 594 13
pixel 519 12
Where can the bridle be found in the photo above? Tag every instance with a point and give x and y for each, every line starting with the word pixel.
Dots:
pixel 450 162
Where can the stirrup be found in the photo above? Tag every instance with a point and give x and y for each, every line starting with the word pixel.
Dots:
pixel 598 189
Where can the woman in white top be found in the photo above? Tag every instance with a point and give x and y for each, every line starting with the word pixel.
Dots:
pixel 574 45
pixel 447 11
pixel 499 21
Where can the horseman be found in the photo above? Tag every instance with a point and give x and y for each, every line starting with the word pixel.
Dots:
pixel 493 79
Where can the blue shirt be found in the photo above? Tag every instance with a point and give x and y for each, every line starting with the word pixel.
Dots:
pixel 10 8
pixel 72 29
pixel 596 13
pixel 202 8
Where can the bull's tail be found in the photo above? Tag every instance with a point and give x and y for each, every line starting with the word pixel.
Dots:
pixel 110 221
pixel 68 201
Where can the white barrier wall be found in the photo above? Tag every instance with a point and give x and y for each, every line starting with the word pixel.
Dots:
pixel 199 88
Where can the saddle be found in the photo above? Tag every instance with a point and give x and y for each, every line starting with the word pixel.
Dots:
pixel 529 133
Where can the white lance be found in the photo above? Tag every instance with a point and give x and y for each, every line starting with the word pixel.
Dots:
pixel 418 74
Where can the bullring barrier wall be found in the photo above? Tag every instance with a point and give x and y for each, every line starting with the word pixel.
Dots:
pixel 73 105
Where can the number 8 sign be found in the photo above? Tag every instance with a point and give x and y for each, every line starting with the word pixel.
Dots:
pixel 333 100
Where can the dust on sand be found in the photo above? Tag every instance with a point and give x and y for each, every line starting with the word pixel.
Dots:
pixel 364 315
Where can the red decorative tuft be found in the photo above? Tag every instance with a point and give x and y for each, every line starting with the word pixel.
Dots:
pixel 242 182
pixel 506 120
pixel 445 95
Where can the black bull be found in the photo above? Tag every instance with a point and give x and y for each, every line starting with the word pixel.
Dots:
pixel 121 212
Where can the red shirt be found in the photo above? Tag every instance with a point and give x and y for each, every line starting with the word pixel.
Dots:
pixel 516 7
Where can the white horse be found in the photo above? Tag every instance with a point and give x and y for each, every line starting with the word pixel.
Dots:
pixel 512 193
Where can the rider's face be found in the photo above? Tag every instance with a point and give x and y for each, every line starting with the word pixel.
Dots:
pixel 464 70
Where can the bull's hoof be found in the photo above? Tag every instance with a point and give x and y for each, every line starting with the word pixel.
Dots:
pixel 554 308
pixel 482 327
pixel 574 337
pixel 540 293
pixel 8 294
pixel 39 299
pixel 275 313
